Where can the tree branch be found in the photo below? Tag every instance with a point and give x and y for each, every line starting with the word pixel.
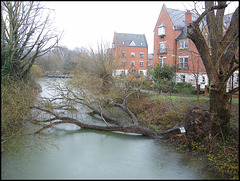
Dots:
pixel 221 6
pixel 232 91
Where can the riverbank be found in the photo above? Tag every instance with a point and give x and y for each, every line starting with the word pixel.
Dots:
pixel 161 112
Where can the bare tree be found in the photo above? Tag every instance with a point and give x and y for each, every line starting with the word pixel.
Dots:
pixel 68 99
pixel 98 64
pixel 25 35
pixel 220 61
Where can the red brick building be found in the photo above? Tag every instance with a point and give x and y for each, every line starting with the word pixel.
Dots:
pixel 172 47
pixel 131 53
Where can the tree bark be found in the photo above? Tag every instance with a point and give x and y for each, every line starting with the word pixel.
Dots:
pixel 219 112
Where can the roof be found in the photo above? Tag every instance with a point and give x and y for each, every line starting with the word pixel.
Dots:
pixel 178 19
pixel 134 40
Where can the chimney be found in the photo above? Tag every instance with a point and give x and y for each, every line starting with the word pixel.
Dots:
pixel 188 17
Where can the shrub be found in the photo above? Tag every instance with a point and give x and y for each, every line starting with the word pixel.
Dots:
pixel 184 87
pixel 16 98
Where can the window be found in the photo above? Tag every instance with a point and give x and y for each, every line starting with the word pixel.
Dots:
pixel 182 78
pixel 162 61
pixel 123 54
pixel 132 54
pixel 203 79
pixel 123 62
pixel 163 47
pixel 183 62
pixel 141 63
pixel 183 44
pixel 162 30
pixel 141 54
pixel 132 63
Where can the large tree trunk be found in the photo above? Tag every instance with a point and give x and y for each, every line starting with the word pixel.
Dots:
pixel 219 112
pixel 219 61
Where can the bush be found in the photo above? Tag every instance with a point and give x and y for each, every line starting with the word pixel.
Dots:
pixel 165 86
pixel 36 71
pixel 184 88
pixel 16 98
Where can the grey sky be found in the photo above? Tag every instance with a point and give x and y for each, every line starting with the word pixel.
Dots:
pixel 86 23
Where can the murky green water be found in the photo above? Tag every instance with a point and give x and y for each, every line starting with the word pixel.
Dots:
pixel 91 154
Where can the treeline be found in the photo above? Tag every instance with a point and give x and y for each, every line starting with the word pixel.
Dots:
pixel 60 59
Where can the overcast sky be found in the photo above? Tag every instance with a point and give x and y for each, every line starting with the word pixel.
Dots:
pixel 86 23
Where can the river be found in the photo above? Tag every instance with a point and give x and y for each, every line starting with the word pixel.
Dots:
pixel 91 154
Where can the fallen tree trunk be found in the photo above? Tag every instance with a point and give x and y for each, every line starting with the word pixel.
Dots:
pixel 127 129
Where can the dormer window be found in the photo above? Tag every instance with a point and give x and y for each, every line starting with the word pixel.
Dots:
pixel 132 43
pixel 162 30
pixel 183 43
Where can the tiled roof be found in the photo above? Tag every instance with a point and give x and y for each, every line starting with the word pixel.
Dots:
pixel 135 40
pixel 178 20
pixel 177 17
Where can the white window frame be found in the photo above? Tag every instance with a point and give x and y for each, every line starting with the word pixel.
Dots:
pixel 163 47
pixel 183 78
pixel 123 53
pixel 132 63
pixel 132 54
pixel 141 63
pixel 183 44
pixel 162 61
pixel 141 54
pixel 183 62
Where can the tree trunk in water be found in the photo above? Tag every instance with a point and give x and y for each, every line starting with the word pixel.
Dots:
pixel 219 112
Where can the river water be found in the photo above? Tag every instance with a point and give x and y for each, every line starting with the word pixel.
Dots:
pixel 90 154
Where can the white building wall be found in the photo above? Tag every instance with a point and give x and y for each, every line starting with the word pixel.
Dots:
pixel 190 78
pixel 235 81
pixel 118 72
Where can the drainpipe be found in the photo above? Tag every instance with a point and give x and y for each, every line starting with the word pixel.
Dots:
pixel 175 60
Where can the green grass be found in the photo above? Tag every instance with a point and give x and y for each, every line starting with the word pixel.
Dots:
pixel 179 98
